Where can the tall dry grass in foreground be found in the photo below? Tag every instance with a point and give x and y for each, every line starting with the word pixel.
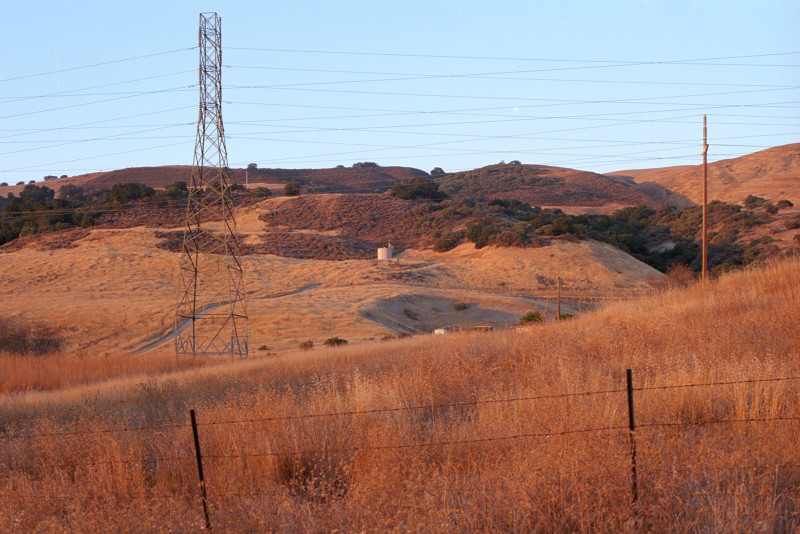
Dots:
pixel 439 460
pixel 56 371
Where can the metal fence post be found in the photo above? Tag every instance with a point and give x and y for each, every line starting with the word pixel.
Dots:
pixel 632 435
pixel 200 468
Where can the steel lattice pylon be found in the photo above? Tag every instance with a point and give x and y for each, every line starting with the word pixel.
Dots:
pixel 211 317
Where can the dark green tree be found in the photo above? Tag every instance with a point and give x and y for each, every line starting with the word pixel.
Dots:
pixel 292 189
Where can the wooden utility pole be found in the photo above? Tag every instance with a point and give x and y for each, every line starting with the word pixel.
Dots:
pixel 705 201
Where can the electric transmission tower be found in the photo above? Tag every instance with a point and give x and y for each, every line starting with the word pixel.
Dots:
pixel 211 317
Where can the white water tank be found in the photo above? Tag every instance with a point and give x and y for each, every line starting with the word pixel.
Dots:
pixel 385 253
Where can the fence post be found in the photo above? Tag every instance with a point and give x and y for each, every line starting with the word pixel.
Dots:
pixel 632 435
pixel 200 468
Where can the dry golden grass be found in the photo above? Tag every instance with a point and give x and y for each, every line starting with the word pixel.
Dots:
pixel 116 291
pixel 380 471
pixel 770 173
pixel 23 373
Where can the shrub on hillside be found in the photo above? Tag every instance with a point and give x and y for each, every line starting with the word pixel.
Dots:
pixel 28 338
pixel 411 314
pixel 784 204
pixel 335 341
pixel 307 345
pixel 261 192
pixel 678 275
pixel 480 233
pixel 459 306
pixel 531 317
pixel 292 189
pixel 122 193
pixel 447 241
pixel 71 192
pixel 417 188
pixel 752 201
pixel 33 194
pixel 177 188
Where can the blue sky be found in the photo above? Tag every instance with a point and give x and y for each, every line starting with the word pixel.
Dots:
pixel 598 86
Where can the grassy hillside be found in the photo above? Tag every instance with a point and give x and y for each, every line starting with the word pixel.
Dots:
pixel 773 173
pixel 112 288
pixel 508 431
pixel 539 185
pixel 360 178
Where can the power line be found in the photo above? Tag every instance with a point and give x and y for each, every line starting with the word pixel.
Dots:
pixel 33 167
pixel 11 99
pixel 116 137
pixel 97 64
pixel 94 102
pixel 81 125
pixel 613 63
pixel 492 76
pixel 554 101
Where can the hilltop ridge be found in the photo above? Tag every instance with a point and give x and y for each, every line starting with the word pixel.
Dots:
pixel 773 173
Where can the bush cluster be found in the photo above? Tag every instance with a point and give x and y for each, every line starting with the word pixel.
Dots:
pixel 335 342
pixel 38 210
pixel 35 339
pixel 417 188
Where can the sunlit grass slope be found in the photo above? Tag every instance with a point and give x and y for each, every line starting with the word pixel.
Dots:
pixel 469 432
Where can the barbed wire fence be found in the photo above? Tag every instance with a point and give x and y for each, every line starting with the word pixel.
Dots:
pixel 630 427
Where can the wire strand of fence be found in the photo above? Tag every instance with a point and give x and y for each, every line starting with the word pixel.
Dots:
pixel 407 408
pixel 92 431
pixel 752 467
pixel 106 497
pixel 719 383
pixel 717 422
pixel 90 463
pixel 395 409
pixel 422 444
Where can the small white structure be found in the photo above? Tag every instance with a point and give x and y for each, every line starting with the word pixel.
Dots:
pixel 440 331
pixel 385 253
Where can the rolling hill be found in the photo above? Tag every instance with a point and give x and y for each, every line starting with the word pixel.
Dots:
pixel 773 173
pixel 363 179
pixel 539 185
pixel 115 289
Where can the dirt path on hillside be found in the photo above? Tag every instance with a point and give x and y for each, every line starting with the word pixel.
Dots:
pixel 169 337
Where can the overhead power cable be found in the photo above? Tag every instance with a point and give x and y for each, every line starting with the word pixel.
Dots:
pixel 34 167
pixel 92 123
pixel 72 92
pixel 494 76
pixel 500 58
pixel 303 87
pixel 68 69
pixel 94 102
pixel 117 137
